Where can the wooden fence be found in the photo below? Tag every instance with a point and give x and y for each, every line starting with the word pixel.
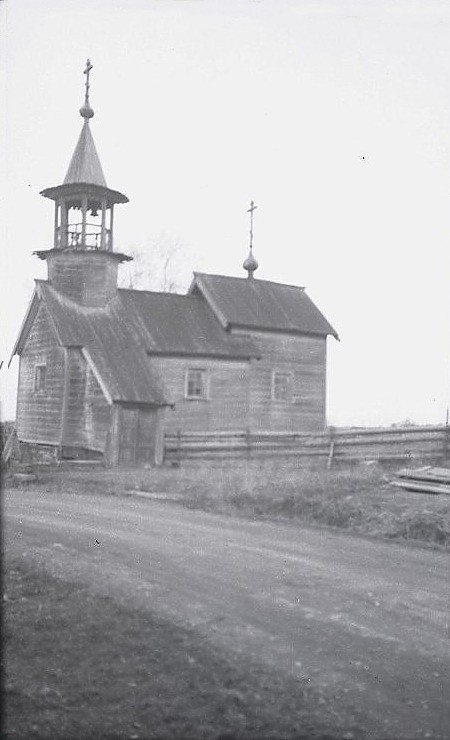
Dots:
pixel 382 444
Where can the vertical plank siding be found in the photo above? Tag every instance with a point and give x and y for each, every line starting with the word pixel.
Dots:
pixel 97 420
pixel 89 278
pixel 39 414
pixel 73 414
pixel 88 415
pixel 74 433
pixel 140 435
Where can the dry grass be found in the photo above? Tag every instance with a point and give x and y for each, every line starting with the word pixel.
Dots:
pixel 82 667
pixel 357 499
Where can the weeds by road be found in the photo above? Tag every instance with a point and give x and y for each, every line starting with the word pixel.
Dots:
pixel 82 667
pixel 359 499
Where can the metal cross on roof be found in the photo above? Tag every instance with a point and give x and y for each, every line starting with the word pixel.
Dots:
pixel 250 211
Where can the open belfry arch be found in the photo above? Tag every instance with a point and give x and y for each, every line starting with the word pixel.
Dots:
pixel 104 372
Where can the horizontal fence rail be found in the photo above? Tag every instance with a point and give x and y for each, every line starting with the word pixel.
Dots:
pixel 399 443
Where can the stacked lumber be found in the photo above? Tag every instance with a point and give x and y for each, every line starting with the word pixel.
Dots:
pixel 424 480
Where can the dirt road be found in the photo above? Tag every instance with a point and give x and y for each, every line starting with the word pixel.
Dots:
pixel 364 624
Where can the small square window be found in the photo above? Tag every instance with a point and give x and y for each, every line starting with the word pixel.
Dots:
pixel 196 383
pixel 282 387
pixel 40 372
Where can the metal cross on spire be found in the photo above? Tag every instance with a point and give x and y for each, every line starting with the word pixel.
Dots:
pixel 86 111
pixel 250 211
pixel 86 72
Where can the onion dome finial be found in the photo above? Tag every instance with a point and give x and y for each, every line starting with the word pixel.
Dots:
pixel 250 264
pixel 86 111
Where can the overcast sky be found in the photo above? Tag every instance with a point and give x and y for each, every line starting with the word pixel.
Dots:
pixel 333 115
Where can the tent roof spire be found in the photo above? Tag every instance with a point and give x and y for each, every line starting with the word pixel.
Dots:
pixel 85 164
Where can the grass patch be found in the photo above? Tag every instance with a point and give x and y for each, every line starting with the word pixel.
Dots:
pixel 80 667
pixel 357 499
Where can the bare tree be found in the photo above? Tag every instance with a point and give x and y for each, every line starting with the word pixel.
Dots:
pixel 159 266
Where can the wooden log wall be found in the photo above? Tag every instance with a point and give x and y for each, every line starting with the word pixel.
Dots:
pixel 384 444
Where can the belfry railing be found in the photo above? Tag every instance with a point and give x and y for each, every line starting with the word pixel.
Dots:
pixel 73 237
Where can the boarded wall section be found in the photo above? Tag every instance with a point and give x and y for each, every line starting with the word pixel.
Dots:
pixel 39 412
pixel 227 402
pixel 87 416
pixel 301 357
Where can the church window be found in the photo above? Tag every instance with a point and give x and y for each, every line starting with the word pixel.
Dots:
pixel 282 387
pixel 196 383
pixel 40 372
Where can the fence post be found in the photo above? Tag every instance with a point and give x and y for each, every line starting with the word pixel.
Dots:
pixel 446 449
pixel 331 450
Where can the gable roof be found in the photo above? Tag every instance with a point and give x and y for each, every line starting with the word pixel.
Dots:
pixel 173 324
pixel 85 164
pixel 261 304
pixel 118 338
pixel 105 334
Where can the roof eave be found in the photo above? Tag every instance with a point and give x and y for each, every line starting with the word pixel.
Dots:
pixel 212 355
pixel 284 330
pixel 43 254
pixel 56 191
pixel 30 315
pixel 27 320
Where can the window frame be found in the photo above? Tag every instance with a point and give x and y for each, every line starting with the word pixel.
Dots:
pixel 289 376
pixel 205 384
pixel 40 389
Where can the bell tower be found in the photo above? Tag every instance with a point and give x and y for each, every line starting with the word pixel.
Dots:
pixel 82 263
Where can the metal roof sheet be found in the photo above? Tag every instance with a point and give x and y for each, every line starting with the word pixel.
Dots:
pixel 181 324
pixel 261 304
pixel 113 346
pixel 73 193
pixel 85 164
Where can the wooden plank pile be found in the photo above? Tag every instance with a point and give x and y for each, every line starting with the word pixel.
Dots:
pixel 424 480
